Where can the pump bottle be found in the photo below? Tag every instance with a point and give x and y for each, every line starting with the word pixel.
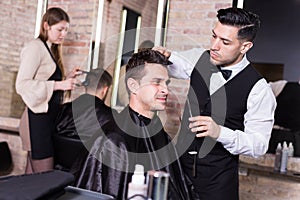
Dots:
pixel 137 185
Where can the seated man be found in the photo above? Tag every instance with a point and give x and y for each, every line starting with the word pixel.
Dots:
pixel 136 136
pixel 80 119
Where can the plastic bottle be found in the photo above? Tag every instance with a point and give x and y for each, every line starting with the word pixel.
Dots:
pixel 284 157
pixel 278 154
pixel 291 150
pixel 137 185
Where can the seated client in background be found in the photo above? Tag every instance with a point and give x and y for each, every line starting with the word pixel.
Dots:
pixel 80 119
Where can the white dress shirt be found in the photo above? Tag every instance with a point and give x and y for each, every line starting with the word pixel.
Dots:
pixel 277 86
pixel 261 104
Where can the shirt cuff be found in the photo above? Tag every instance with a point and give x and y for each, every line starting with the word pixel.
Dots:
pixel 226 135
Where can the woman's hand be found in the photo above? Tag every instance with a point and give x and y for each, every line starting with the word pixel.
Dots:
pixel 74 73
pixel 68 84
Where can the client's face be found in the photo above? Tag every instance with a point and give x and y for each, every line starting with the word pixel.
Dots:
pixel 153 90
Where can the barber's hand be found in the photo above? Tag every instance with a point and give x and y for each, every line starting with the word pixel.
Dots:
pixel 205 125
pixel 75 72
pixel 162 50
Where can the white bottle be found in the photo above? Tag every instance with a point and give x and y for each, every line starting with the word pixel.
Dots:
pixel 278 154
pixel 284 157
pixel 137 185
pixel 291 150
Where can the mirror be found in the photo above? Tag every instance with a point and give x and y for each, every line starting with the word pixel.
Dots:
pixel 112 45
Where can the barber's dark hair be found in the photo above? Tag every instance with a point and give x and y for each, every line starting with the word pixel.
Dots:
pixel 136 64
pixel 146 44
pixel 97 78
pixel 247 22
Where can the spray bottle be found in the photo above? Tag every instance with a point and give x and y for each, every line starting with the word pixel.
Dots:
pixel 284 157
pixel 278 154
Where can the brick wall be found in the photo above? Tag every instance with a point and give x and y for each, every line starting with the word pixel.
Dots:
pixel 190 22
pixel 17 26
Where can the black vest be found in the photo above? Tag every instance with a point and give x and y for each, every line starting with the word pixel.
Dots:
pixel 227 107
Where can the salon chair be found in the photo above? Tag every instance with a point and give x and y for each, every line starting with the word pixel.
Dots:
pixel 66 151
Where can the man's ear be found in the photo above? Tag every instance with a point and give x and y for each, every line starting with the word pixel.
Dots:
pixel 103 92
pixel 133 85
pixel 246 46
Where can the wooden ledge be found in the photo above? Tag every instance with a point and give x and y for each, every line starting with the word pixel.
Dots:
pixel 269 172
pixel 9 124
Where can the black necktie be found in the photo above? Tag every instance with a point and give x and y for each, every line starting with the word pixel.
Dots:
pixel 226 73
